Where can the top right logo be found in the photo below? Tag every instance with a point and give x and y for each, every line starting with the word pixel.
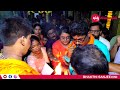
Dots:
pixel 109 17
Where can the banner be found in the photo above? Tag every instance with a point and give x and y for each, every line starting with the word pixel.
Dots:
pixel 14 76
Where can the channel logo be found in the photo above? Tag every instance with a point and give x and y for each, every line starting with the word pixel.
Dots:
pixel 95 18
pixel 10 76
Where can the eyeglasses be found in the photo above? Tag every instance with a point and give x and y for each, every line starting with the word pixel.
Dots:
pixel 65 38
pixel 94 31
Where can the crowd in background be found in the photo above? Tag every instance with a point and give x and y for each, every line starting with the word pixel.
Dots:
pixel 81 47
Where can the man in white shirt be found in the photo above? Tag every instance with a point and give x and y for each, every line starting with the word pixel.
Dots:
pixel 96 30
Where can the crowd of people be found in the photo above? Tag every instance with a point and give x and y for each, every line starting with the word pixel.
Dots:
pixel 79 47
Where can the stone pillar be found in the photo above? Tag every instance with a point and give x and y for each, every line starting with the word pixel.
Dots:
pixel 76 15
pixel 70 13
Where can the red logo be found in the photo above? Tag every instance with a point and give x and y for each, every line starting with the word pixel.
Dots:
pixel 4 76
pixel 95 18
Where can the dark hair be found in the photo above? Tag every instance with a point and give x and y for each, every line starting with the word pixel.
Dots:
pixel 49 27
pixel 1 45
pixel 65 30
pixel 96 24
pixel 33 37
pixel 37 24
pixel 79 29
pixel 89 60
pixel 13 28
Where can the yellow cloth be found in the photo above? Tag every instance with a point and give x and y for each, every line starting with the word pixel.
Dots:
pixel 14 66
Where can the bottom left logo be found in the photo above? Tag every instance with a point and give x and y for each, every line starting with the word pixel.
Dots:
pixel 10 76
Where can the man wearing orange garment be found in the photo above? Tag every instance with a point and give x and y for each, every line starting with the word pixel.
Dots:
pixel 81 37
pixel 15 34
pixel 84 39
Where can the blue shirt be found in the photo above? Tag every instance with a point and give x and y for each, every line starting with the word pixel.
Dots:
pixel 101 46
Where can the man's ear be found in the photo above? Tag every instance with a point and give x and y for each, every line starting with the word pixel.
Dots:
pixel 22 40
